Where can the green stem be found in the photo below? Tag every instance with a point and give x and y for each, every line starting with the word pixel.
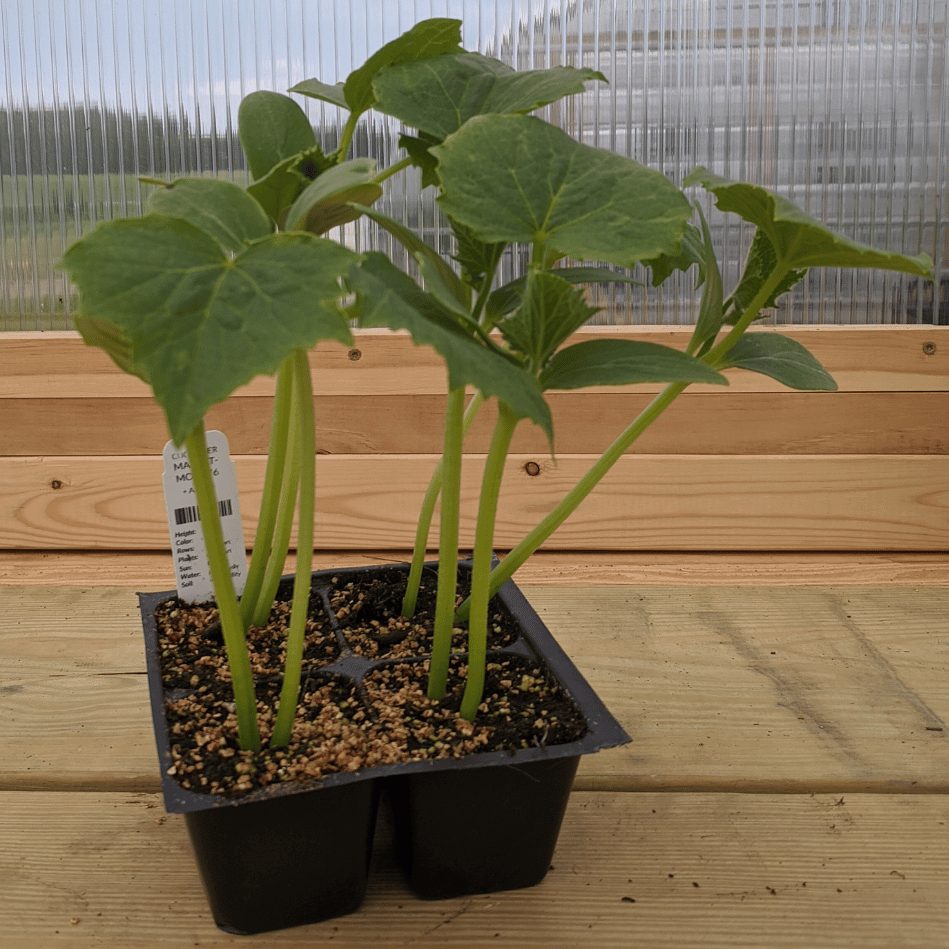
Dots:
pixel 571 501
pixel 284 526
pixel 270 501
pixel 481 567
pixel 346 138
pixel 426 513
pixel 392 170
pixel 447 544
pixel 242 678
pixel 306 456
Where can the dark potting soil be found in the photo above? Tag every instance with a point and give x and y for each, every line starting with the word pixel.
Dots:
pixel 339 726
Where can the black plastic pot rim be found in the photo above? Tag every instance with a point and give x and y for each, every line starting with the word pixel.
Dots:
pixel 536 641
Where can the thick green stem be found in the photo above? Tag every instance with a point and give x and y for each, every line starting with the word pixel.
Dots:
pixel 426 513
pixel 392 170
pixel 571 501
pixel 305 452
pixel 481 566
pixel 447 544
pixel 263 548
pixel 242 678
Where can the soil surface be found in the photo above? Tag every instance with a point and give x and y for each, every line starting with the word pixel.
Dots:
pixel 345 724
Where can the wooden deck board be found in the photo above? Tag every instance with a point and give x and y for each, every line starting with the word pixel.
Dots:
pixel 780 688
pixel 718 871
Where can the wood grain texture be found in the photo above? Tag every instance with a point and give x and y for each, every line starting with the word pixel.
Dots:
pixel 146 570
pixel 718 871
pixel 792 502
pixel 773 688
pixel 703 423
pixel 862 359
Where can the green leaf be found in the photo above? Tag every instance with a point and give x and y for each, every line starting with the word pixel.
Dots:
pixel 221 209
pixel 613 362
pixel 390 298
pixel 419 149
pixel 799 240
pixel 516 178
pixel 551 311
pixel 781 358
pixel 477 259
pixel 691 251
pixel 321 90
pixel 760 264
pixel 281 186
pixel 421 251
pixel 324 203
pixel 200 323
pixel 272 128
pixel 428 38
pixel 108 337
pixel 711 309
pixel 507 298
pixel 439 95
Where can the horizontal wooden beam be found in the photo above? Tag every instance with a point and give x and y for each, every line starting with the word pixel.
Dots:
pixel 647 502
pixel 738 423
pixel 862 359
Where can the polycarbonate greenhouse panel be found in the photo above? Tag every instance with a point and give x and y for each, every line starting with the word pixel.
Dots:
pixel 840 105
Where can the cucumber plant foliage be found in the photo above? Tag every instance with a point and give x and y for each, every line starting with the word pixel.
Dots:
pixel 216 284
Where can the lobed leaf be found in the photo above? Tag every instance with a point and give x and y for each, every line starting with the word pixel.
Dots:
pixel 390 298
pixel 516 178
pixel 799 240
pixel 201 323
pixel 432 37
pixel 551 311
pixel 438 95
pixel 221 209
pixel 780 357
pixel 507 298
pixel 613 362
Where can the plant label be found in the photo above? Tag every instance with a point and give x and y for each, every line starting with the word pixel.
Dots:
pixel 184 524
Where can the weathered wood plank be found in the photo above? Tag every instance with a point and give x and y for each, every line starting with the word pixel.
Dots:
pixel 647 502
pixel 769 688
pixel 145 570
pixel 697 423
pixel 862 359
pixel 660 870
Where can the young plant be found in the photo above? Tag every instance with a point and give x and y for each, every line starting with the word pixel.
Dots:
pixel 217 284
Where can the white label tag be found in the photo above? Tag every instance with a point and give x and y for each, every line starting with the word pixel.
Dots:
pixel 184 526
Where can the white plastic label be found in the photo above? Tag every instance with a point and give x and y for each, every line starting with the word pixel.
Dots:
pixel 184 525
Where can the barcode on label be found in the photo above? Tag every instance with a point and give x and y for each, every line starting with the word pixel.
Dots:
pixel 189 515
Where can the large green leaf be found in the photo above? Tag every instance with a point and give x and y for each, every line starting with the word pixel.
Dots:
pixel 282 185
pixel 781 358
pixel 438 95
pixel 390 298
pixel 325 202
pixel 799 240
pixel 200 322
pixel 272 128
pixel 551 311
pixel 615 362
pixel 517 178
pixel 428 38
pixel 221 209
pixel 109 338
